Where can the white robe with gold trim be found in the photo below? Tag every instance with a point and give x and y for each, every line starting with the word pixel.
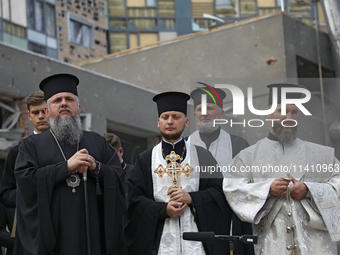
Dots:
pixel 171 240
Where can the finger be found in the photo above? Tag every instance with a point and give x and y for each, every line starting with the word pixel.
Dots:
pixel 184 206
pixel 175 193
pixel 91 158
pixel 170 191
pixel 83 150
pixel 175 198
pixel 174 203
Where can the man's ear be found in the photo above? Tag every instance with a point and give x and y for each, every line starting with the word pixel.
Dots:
pixel 269 116
pixel 186 122
pixel 158 123
pixel 222 114
pixel 46 111
pixel 29 115
pixel 79 109
pixel 120 152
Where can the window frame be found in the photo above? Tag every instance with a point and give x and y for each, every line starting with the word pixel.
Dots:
pixel 83 22
pixel 31 20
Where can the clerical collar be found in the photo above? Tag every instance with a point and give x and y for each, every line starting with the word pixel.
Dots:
pixel 173 144
pixel 35 133
pixel 210 137
pixel 272 137
pixel 177 146
pixel 123 164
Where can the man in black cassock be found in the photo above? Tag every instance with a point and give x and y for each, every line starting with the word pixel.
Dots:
pixel 36 113
pixel 50 191
pixel 158 215
pixel 222 145
pixel 115 143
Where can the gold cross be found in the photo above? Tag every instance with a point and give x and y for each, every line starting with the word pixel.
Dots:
pixel 173 169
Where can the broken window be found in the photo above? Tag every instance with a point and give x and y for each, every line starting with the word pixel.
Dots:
pixel 81 32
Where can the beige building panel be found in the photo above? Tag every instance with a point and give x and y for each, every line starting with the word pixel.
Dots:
pixel 18 12
pixel 135 3
pixel 266 3
pixel 248 7
pixel 118 39
pixel 321 14
pixel 202 1
pixel 5 9
pixel 148 38
pixel 117 10
pixel 133 40
pixel 198 9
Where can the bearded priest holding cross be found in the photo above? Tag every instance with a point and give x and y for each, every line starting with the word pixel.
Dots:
pixel 167 196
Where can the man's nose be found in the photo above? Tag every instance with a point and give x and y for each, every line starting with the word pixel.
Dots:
pixel 41 115
pixel 63 102
pixel 170 120
pixel 288 115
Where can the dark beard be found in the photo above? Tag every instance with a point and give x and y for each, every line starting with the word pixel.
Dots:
pixel 284 134
pixel 175 136
pixel 67 130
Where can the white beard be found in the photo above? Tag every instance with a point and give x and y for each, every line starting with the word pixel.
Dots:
pixel 206 128
pixel 67 130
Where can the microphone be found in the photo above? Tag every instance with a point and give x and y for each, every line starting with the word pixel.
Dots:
pixel 209 237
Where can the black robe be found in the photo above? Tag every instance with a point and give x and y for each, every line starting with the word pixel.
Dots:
pixel 145 217
pixel 6 224
pixel 127 168
pixel 8 184
pixel 51 219
pixel 239 227
pixel 8 188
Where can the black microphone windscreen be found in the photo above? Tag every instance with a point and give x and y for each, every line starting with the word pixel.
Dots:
pixel 199 236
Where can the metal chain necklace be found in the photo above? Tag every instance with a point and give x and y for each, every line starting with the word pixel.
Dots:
pixel 180 159
pixel 73 181
pixel 292 247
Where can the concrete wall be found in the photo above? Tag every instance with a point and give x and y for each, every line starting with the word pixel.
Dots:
pixel 237 51
pixel 130 108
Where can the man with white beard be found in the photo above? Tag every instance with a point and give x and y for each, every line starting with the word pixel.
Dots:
pixel 293 205
pixel 222 145
pixel 50 193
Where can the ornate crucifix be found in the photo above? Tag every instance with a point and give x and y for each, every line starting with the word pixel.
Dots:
pixel 173 169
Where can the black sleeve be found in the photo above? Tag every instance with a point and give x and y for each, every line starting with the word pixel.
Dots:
pixel 238 144
pixel 5 237
pixel 144 216
pixel 8 184
pixel 211 210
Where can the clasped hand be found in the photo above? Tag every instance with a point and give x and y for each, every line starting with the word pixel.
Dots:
pixel 179 201
pixel 80 161
pixel 279 187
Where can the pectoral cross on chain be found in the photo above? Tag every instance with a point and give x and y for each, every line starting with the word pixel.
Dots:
pixel 173 169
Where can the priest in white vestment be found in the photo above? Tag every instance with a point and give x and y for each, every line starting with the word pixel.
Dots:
pixel 222 145
pixel 287 188
pixel 158 213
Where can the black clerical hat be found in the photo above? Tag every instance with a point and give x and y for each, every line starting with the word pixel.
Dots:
pixel 279 86
pixel 57 83
pixel 171 101
pixel 214 96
